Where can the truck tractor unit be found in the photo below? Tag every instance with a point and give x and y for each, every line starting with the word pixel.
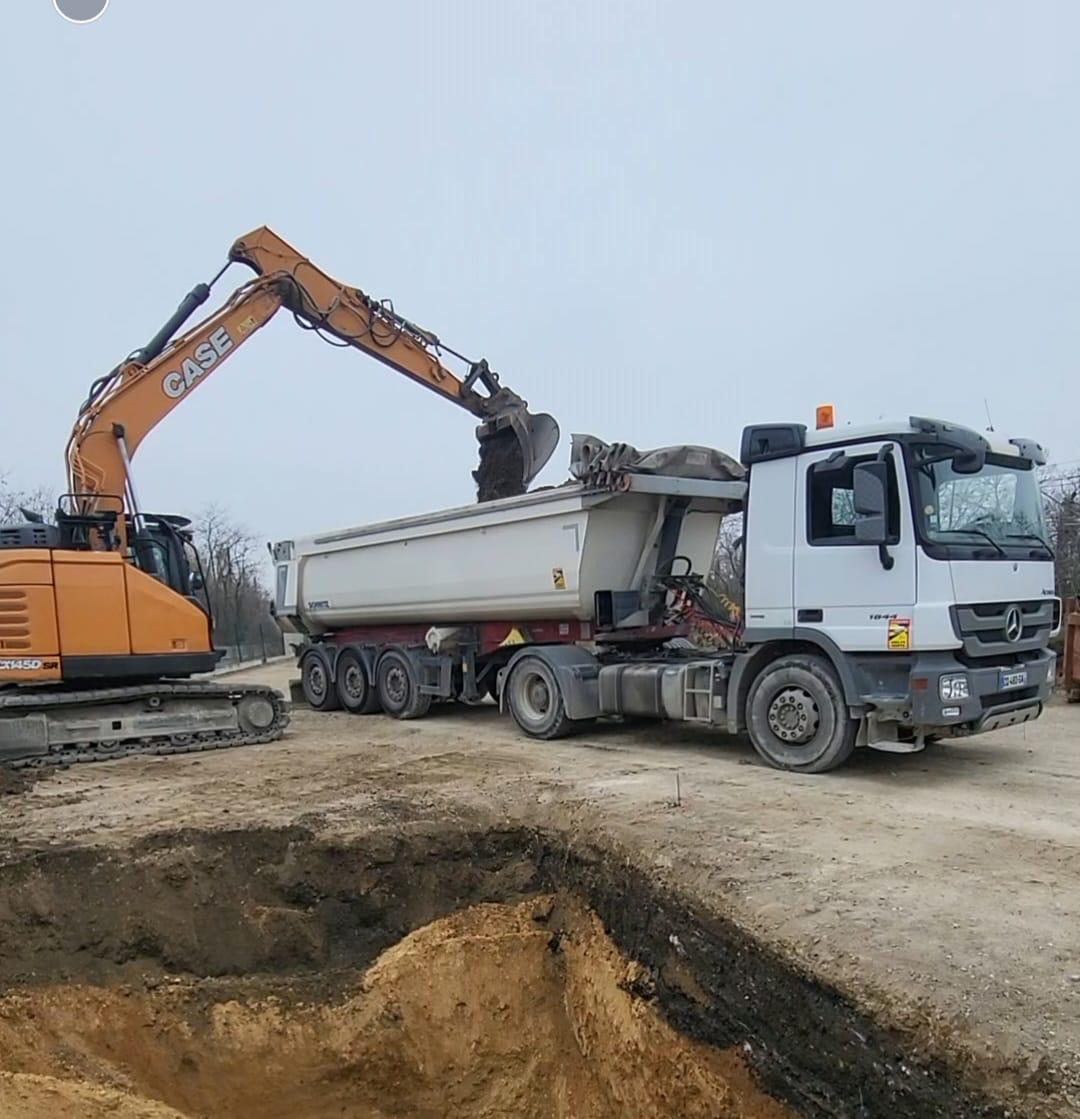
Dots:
pixel 898 589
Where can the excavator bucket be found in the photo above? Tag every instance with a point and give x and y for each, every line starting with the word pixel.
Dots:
pixel 514 447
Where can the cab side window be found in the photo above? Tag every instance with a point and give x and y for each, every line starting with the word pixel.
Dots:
pixel 830 511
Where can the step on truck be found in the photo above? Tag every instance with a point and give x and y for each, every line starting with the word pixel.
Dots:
pixel 898 589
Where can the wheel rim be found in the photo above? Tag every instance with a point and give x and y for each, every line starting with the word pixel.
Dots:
pixel 396 685
pixel 316 678
pixel 354 682
pixel 794 716
pixel 535 697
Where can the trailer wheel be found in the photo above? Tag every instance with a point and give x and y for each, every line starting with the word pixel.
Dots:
pixel 319 691
pixel 355 690
pixel 797 715
pixel 398 686
pixel 536 701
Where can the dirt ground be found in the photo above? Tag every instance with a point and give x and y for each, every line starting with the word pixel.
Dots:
pixel 941 890
pixel 473 1016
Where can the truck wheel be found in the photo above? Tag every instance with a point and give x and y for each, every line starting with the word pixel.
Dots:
pixel 398 686
pixel 535 700
pixel 318 688
pixel 355 691
pixel 797 715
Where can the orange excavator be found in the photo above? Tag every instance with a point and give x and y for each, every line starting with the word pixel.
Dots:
pixel 101 623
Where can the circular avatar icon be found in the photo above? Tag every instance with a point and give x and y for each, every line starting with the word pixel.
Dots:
pixel 81 11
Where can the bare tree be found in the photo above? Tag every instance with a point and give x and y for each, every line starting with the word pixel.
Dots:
pixel 728 569
pixel 235 591
pixel 13 501
pixel 1061 498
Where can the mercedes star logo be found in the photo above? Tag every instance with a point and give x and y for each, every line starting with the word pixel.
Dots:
pixel 1014 624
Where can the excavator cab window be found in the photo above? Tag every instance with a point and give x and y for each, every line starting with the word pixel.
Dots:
pixel 150 554
pixel 160 548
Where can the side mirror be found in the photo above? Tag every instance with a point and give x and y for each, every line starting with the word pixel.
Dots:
pixel 969 462
pixel 872 502
pixel 196 583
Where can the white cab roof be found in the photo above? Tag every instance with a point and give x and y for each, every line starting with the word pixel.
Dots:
pixel 882 429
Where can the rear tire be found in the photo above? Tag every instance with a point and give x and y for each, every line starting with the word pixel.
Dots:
pixel 398 686
pixel 536 701
pixel 798 717
pixel 319 691
pixel 355 690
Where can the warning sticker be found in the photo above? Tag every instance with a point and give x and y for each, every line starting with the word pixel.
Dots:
pixel 899 633
pixel 558 578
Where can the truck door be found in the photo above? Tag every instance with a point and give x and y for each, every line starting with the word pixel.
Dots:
pixel 842 587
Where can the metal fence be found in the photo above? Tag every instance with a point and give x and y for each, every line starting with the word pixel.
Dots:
pixel 257 651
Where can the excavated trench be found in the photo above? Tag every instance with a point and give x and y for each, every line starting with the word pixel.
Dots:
pixel 274 973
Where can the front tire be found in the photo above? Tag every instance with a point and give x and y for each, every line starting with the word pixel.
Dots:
pixel 319 691
pixel 398 686
pixel 798 717
pixel 535 700
pixel 355 690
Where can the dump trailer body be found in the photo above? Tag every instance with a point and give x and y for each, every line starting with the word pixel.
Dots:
pixel 538 557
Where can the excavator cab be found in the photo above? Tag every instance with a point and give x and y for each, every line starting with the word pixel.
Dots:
pixel 162 546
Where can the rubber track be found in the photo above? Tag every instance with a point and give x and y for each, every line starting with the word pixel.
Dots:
pixel 160 746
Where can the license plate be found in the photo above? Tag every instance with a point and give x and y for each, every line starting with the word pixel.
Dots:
pixel 1008 679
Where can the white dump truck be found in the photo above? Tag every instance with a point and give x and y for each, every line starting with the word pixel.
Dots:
pixel 899 588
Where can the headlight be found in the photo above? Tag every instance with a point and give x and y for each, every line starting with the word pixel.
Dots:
pixel 954 687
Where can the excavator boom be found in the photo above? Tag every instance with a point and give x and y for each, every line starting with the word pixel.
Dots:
pixel 124 406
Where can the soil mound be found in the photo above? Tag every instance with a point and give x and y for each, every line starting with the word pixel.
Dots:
pixel 524 1010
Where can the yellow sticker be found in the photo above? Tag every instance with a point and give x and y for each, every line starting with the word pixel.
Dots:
pixel 899 633
pixel 514 637
pixel 246 326
pixel 558 578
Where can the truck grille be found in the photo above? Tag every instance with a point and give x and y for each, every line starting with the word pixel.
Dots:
pixel 996 629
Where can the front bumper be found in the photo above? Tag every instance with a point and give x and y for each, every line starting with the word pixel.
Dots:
pixel 988 705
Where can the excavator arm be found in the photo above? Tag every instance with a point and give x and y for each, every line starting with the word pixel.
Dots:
pixel 126 404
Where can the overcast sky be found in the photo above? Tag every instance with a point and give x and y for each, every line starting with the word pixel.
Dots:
pixel 659 222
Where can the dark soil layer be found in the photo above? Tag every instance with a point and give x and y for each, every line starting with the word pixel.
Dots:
pixel 273 903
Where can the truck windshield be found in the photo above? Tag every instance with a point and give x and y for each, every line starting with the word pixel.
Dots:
pixel 997 509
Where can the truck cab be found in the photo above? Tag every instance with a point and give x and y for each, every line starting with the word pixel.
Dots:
pixel 914 557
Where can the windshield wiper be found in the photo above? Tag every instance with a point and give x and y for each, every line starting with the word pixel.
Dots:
pixel 1031 536
pixel 976 532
